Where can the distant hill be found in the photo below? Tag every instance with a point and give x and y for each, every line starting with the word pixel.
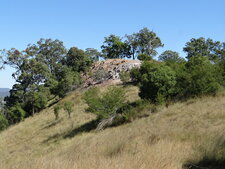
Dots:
pixel 4 92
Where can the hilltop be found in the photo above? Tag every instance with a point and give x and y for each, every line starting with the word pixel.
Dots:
pixel 109 71
pixel 183 133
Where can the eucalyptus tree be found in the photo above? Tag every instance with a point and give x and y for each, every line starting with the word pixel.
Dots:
pixel 143 42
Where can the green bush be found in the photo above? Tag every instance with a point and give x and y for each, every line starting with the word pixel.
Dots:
pixel 56 111
pixel 135 75
pixel 15 114
pixel 106 104
pixel 100 75
pixel 157 82
pixel 124 76
pixel 200 77
pixel 137 109
pixel 3 122
pixel 144 57
pixel 68 107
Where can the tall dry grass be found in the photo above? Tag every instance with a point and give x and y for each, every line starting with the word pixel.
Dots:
pixel 183 133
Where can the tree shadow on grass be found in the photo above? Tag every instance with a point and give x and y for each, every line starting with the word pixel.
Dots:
pixel 206 163
pixel 54 123
pixel 87 127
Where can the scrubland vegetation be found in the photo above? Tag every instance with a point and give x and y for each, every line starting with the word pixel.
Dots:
pixel 169 113
pixel 183 134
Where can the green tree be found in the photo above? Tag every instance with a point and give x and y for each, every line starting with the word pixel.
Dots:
pixel 133 42
pixel 15 114
pixel 92 53
pixel 105 104
pixel 204 47
pixel 56 111
pixel 170 56
pixel 48 51
pixel 36 76
pixel 200 77
pixel 68 107
pixel 144 57
pixel 113 47
pixel 157 82
pixel 77 59
pixel 144 42
pixel 66 81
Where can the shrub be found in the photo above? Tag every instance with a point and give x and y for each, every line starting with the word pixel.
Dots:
pixel 137 109
pixel 135 75
pixel 15 114
pixel 124 76
pixel 157 82
pixel 144 57
pixel 100 75
pixel 56 111
pixel 200 77
pixel 107 104
pixel 3 122
pixel 68 107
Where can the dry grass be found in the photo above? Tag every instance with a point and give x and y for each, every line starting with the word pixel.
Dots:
pixel 181 133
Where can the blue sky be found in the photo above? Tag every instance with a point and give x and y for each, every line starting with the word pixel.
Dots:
pixel 85 23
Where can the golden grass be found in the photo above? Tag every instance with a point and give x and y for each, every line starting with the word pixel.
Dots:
pixel 164 140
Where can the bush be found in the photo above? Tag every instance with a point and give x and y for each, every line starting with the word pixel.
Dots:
pixel 15 114
pixel 125 76
pixel 56 111
pixel 157 82
pixel 135 75
pixel 144 57
pixel 107 104
pixel 68 107
pixel 200 77
pixel 3 122
pixel 100 75
pixel 137 109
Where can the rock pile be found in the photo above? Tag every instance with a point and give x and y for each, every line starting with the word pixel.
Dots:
pixel 108 71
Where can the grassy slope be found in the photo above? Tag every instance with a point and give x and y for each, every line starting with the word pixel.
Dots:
pixel 164 140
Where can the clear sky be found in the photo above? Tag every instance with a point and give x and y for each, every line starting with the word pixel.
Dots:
pixel 85 23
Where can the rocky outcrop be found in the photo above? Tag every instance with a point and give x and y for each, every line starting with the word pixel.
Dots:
pixel 108 71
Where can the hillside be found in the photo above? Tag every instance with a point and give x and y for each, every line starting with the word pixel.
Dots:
pixel 185 132
pixel 4 92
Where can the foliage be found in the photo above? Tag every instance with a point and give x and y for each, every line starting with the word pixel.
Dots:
pixel 200 77
pixel 77 59
pixel 144 42
pixel 135 75
pixel 3 121
pixel 15 114
pixel 125 76
pixel 105 104
pixel 137 109
pixel 67 80
pixel 157 82
pixel 113 47
pixel 144 57
pixel 214 50
pixel 40 75
pixel 94 54
pixel 100 75
pixel 68 107
pixel 170 56
pixel 47 51
pixel 56 111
